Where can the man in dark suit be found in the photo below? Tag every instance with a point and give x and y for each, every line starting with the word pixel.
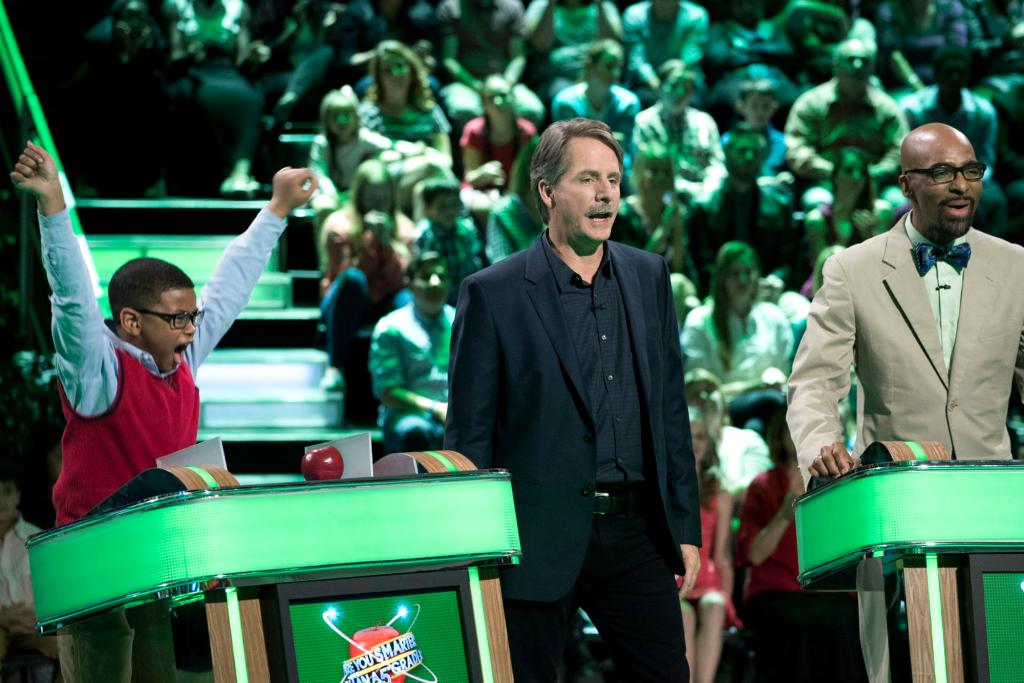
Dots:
pixel 566 370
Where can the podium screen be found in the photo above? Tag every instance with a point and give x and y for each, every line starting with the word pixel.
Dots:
pixel 389 629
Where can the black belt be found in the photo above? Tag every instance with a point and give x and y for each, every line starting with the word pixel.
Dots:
pixel 616 499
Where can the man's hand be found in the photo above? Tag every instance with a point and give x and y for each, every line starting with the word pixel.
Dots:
pixel 691 561
pixel 834 461
pixel 292 188
pixel 36 173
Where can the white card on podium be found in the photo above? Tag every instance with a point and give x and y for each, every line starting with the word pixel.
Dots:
pixel 209 452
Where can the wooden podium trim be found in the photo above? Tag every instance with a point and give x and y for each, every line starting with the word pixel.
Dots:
pixel 194 482
pixel 219 622
pixel 919 625
pixel 497 634
pixel 442 461
pixel 901 451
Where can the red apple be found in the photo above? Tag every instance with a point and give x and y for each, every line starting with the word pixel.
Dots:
pixel 322 463
pixel 369 638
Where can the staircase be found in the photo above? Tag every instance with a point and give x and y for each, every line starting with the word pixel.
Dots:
pixel 265 389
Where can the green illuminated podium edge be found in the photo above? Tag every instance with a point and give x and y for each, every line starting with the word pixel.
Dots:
pixel 923 518
pixel 201 543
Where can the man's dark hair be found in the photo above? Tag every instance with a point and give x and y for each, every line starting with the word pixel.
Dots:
pixel 141 282
pixel 551 158
pixel 437 187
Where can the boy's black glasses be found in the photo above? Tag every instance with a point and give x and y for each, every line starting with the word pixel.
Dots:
pixel 944 173
pixel 177 321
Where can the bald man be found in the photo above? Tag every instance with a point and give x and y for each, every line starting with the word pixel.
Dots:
pixel 929 314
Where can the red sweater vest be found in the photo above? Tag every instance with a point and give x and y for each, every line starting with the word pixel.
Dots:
pixel 151 416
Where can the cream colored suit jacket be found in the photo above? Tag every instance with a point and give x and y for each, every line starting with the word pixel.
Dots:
pixel 872 313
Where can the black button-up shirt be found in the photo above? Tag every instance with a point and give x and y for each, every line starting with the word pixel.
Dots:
pixel 596 318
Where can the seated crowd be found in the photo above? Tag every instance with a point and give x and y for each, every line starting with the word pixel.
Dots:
pixel 759 137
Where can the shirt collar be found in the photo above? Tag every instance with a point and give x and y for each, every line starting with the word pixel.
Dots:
pixel 566 276
pixel 917 238
pixel 144 357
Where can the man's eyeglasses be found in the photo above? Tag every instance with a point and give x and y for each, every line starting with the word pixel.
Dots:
pixel 177 321
pixel 941 174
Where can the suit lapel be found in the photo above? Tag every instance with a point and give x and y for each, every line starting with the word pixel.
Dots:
pixel 976 299
pixel 543 293
pixel 629 287
pixel 908 292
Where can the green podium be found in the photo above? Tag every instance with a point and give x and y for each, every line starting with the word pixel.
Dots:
pixel 333 580
pixel 953 534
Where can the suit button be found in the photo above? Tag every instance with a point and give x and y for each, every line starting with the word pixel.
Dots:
pixel 588 438
pixel 586 491
pixel 953 404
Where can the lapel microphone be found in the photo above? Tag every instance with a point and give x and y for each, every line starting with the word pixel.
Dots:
pixel 943 287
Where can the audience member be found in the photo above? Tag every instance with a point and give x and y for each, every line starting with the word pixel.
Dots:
pixel 399 103
pixel 481 38
pixel 798 636
pixel 744 43
pixel 657 31
pixel 365 248
pixel 650 218
pixel 815 28
pixel 489 145
pixel 847 111
pixel 599 96
pixel 743 342
pixel 515 219
pixel 409 361
pixel 17 604
pixel 950 101
pixel 855 212
pixel 560 31
pixel 447 232
pixel 756 105
pixel 742 453
pixel 910 31
pixel 343 143
pixel 708 608
pixel 750 208
pixel 210 39
pixel 119 93
pixel 690 136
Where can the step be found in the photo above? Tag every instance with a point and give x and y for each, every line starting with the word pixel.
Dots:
pixel 294 409
pixel 196 255
pixel 278 388
pixel 260 371
pixel 172 215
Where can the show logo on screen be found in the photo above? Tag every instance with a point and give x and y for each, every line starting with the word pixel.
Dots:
pixel 382 654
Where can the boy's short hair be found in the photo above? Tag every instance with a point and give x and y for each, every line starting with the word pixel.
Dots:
pixel 757 86
pixel 141 282
pixel 436 187
pixel 423 261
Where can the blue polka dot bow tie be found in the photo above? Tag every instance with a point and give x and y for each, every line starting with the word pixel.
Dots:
pixel 926 255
